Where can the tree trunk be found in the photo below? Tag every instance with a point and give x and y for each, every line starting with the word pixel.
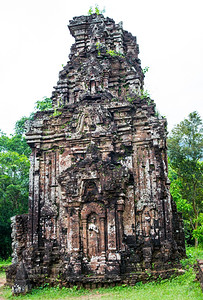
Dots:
pixel 195 212
pixel 196 240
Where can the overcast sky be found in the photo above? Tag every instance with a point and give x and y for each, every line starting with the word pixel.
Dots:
pixel 35 42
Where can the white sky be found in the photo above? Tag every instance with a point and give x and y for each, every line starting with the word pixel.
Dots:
pixel 35 42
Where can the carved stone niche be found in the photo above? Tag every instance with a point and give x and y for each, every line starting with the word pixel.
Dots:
pixel 101 230
pixel 93 232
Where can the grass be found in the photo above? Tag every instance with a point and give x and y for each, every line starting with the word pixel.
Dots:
pixel 179 288
pixel 4 263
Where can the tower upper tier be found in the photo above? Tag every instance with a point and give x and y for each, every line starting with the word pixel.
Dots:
pixel 104 58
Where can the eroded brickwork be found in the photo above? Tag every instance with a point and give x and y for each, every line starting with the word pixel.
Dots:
pixel 100 210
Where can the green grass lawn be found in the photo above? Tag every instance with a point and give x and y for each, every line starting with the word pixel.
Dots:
pixel 180 288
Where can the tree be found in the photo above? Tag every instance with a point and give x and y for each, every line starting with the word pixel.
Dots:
pixel 182 204
pixel 14 176
pixel 185 149
pixel 14 143
pixel 14 182
pixel 14 170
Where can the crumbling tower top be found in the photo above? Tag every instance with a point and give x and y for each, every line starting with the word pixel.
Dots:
pixel 89 31
pixel 103 58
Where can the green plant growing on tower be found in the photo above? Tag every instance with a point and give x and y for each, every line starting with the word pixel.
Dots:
pixel 44 104
pixel 96 10
pixel 98 46
pixel 56 112
pixel 145 70
pixel 144 94
pixel 129 99
pixel 90 11
pixel 114 53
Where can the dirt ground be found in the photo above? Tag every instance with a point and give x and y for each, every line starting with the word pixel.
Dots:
pixel 2 282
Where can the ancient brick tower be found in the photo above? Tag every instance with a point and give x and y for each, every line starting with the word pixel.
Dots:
pixel 100 210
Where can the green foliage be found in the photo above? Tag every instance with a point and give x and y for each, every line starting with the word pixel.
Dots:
pixel 14 170
pixel 14 175
pixel 44 104
pixel 185 146
pixel 145 70
pixel 186 141
pixel 56 112
pixel 145 94
pixel 192 255
pixel 129 99
pixel 96 10
pixel 4 263
pixel 182 204
pixel 98 46
pixel 40 105
pixel 114 53
pixel 20 126
pixel 198 232
pixel 90 11
pixel 175 188
pixel 14 143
